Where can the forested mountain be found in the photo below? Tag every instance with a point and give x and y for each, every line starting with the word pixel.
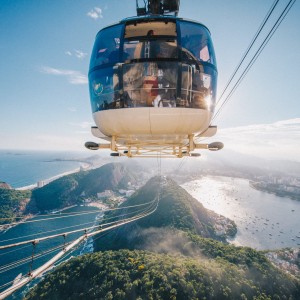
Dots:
pixel 71 189
pixel 12 204
pixel 139 274
pixel 177 209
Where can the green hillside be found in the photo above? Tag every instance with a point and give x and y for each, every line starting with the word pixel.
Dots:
pixel 71 189
pixel 177 209
pixel 12 204
pixel 136 274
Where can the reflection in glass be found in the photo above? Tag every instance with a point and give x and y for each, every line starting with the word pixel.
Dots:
pixel 152 66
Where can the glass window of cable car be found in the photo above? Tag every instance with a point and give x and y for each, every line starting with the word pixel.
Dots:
pixel 107 46
pixel 104 89
pixel 196 42
pixel 150 40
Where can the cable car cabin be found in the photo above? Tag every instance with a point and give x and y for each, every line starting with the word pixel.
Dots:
pixel 152 82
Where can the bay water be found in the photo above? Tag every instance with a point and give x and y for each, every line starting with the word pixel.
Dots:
pixel 264 221
pixel 75 218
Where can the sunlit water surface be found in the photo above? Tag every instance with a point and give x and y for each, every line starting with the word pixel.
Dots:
pixel 264 220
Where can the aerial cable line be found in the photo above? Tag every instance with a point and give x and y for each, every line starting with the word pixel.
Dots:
pixel 256 55
pixel 65 233
pixel 67 227
pixel 73 215
pixel 14 250
pixel 249 48
pixel 73 244
pixel 24 260
pixel 70 246
pixel 65 249
pixel 52 214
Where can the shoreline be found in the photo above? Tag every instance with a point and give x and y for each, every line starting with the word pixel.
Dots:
pixel 85 167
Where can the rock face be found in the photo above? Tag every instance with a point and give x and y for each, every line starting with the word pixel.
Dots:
pixel 4 185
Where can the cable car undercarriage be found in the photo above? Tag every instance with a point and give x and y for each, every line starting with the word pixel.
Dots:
pixel 181 146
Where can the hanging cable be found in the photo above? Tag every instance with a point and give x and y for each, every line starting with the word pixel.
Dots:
pixel 72 215
pixel 73 244
pixel 25 260
pixel 249 47
pixel 32 257
pixel 68 227
pixel 70 232
pixel 256 55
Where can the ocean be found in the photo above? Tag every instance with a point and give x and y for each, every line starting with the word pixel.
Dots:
pixel 24 168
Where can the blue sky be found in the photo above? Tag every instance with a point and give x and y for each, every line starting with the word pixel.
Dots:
pixel 45 48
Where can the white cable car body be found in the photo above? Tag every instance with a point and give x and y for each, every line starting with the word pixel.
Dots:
pixel 152 84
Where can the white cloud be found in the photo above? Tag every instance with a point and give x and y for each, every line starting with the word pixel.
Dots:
pixel 83 125
pixel 279 140
pixel 80 54
pixel 74 77
pixel 95 13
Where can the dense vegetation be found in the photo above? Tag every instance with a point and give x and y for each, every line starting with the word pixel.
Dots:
pixel 176 209
pixel 71 189
pixel 12 204
pixel 184 262
pixel 136 274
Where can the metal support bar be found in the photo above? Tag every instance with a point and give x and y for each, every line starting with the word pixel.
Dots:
pixel 191 142
pixel 113 145
pixel 201 146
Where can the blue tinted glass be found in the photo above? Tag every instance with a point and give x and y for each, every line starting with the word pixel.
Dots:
pixel 104 88
pixel 107 46
pixel 196 43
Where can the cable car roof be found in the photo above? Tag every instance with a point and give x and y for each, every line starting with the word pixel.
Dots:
pixel 149 18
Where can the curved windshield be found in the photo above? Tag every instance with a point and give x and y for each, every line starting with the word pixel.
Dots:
pixel 196 43
pixel 155 39
pixel 146 64
pixel 107 47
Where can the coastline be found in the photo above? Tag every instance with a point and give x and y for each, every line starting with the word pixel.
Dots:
pixel 85 167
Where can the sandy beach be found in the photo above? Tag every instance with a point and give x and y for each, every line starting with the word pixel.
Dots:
pixel 47 181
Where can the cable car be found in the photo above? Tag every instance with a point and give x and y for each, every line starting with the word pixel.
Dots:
pixel 152 83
